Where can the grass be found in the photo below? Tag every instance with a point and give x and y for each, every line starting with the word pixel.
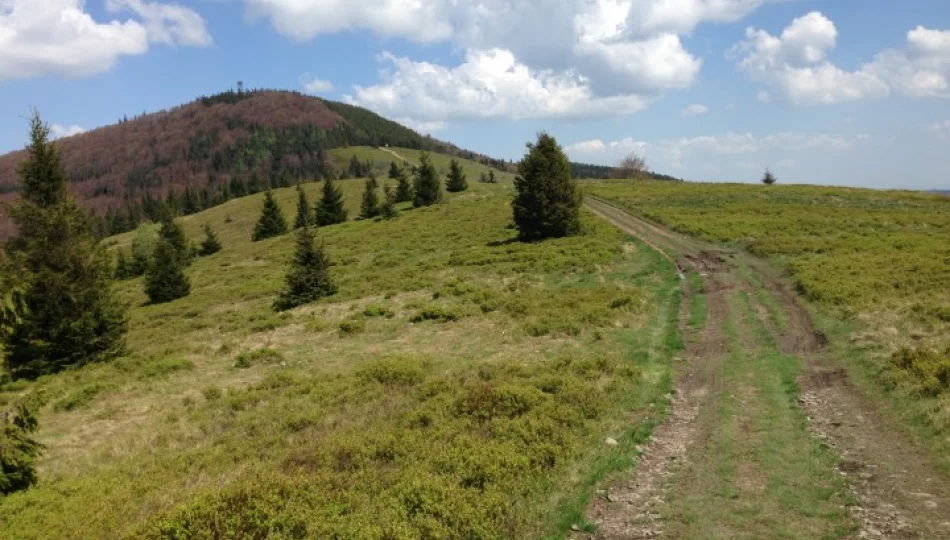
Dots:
pixel 875 266
pixel 382 157
pixel 761 475
pixel 345 418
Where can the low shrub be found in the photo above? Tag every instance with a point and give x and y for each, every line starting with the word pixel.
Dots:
pixel 926 370
pixel 394 371
pixel 355 325
pixel 257 356
pixel 436 313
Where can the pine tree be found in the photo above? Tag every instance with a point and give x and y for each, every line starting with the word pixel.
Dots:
pixel 175 236
pixel 483 178
pixel 211 244
pixel 547 201
pixel 123 267
pixel 165 279
pixel 331 210
pixel 18 450
pixel 71 315
pixel 238 187
pixel 370 205
pixel 768 178
pixel 271 222
pixel 190 203
pixel 427 186
pixel 356 168
pixel 254 185
pixel 404 190
pixel 388 210
pixel 304 211
pixel 491 177
pixel 394 172
pixel 456 182
pixel 308 279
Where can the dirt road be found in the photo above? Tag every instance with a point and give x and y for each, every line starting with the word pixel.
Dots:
pixel 766 438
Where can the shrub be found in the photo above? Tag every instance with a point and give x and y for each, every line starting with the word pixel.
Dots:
pixel 353 326
pixel 257 356
pixel 436 313
pixel 394 371
pixel 212 393
pixel 81 397
pixel 926 370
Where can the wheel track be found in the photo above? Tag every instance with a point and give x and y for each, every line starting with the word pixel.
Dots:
pixel 902 493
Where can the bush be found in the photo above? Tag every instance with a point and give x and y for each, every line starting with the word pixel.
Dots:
pixel 394 371
pixel 353 326
pixel 257 356
pixel 927 371
pixel 81 397
pixel 436 313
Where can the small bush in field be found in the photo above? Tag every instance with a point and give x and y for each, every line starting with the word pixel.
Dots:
pixel 927 370
pixel 353 326
pixel 436 313
pixel 394 371
pixel 257 356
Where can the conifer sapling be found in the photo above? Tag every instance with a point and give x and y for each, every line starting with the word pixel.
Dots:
pixel 456 182
pixel 369 208
pixel 271 222
pixel 308 279
pixel 331 209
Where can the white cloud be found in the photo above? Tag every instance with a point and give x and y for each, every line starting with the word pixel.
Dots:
pixel 415 20
pixel 58 132
pixel 58 37
pixel 695 110
pixel 671 151
pixel 763 97
pixel 489 84
pixel 617 52
pixel 941 130
pixel 796 63
pixel 314 85
pixel 171 24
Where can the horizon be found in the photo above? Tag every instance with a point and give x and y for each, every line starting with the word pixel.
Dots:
pixel 820 93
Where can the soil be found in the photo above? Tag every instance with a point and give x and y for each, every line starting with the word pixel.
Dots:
pixel 901 493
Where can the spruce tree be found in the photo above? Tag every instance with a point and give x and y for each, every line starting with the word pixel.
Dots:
pixel 211 244
pixel 388 210
pixel 308 279
pixel 370 205
pixel 143 247
pixel 271 222
pixel 175 236
pixel 165 278
pixel 768 178
pixel 71 315
pixel 456 182
pixel 547 201
pixel 404 190
pixel 491 177
pixel 123 266
pixel 427 186
pixel 331 210
pixel 304 211
pixel 483 178
pixel 18 450
pixel 394 172
pixel 190 203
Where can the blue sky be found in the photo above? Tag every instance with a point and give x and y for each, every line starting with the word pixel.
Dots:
pixel 851 92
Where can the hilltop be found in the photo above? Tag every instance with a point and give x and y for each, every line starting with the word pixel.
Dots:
pixel 256 137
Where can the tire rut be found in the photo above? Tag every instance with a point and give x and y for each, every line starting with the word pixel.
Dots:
pixel 902 494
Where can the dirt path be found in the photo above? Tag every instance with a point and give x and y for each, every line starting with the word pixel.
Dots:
pixel 744 454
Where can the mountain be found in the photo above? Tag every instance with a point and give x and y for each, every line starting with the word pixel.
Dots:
pixel 202 153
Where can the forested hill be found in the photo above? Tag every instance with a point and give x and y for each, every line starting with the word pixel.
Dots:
pixel 204 148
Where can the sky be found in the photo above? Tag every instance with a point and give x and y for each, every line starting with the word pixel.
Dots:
pixel 845 92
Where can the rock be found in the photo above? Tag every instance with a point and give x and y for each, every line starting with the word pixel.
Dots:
pixel 611 441
pixel 575 528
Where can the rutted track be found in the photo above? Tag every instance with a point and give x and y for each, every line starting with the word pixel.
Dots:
pixel 901 493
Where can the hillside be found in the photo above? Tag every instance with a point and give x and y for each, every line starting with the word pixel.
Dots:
pixel 201 148
pixel 460 384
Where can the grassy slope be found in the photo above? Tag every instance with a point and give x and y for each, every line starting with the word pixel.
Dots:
pixel 348 418
pixel 381 159
pixel 875 264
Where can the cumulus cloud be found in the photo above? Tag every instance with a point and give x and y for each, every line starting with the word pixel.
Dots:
pixel 58 132
pixel 314 85
pixel 488 84
pixel 302 20
pixel 623 52
pixel 796 62
pixel 58 37
pixel 676 151
pixel 695 110
pixel 171 24
pixel 941 130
